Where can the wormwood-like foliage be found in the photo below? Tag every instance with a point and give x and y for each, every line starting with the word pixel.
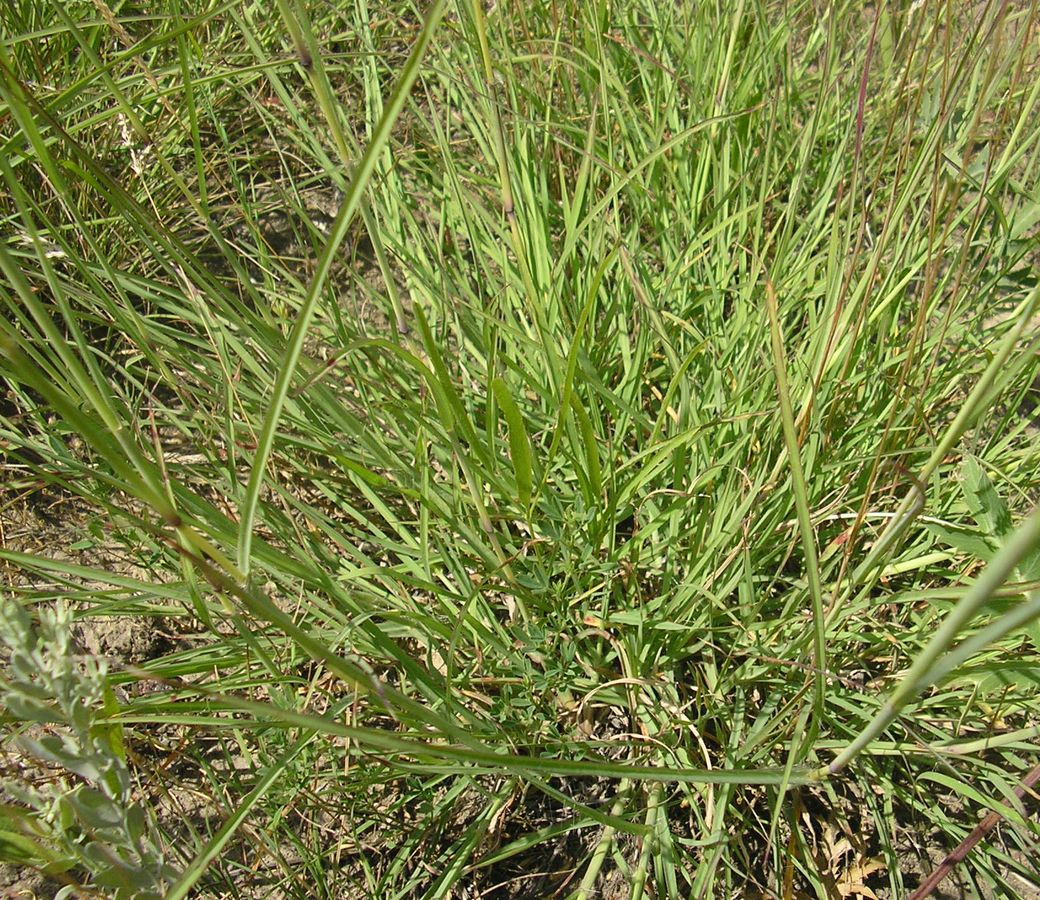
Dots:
pixel 83 815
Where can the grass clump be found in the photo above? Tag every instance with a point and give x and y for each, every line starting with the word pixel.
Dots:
pixel 572 449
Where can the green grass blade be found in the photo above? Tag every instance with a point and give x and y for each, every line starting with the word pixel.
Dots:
pixel 351 201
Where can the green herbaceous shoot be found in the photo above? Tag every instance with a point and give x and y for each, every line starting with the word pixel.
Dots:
pixel 541 449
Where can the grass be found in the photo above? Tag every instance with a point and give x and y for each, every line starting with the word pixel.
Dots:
pixel 622 490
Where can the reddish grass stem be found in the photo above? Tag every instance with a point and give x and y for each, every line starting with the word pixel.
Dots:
pixel 967 845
